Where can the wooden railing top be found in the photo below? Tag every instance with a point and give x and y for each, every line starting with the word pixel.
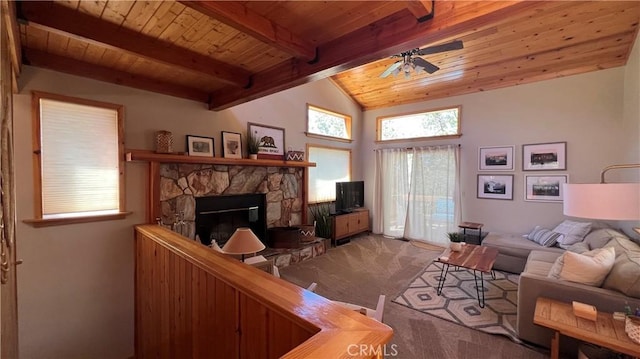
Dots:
pixel 339 331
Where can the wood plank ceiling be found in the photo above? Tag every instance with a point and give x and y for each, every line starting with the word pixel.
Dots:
pixel 224 53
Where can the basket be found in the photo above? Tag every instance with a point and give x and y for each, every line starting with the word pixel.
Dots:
pixel 164 142
pixel 297 156
pixel 632 327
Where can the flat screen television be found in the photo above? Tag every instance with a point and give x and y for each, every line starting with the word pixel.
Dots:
pixel 349 196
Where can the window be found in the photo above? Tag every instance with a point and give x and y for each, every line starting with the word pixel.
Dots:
pixel 327 123
pixel 332 165
pixel 78 166
pixel 431 124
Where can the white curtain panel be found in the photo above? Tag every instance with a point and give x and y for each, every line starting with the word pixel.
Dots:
pixel 417 193
pixel 433 208
pixel 391 191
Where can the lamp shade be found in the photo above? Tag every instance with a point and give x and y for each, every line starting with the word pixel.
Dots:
pixel 606 201
pixel 243 241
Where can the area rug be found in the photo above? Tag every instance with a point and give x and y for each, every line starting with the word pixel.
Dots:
pixel 458 302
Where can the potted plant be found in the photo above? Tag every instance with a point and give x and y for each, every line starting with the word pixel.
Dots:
pixel 253 145
pixel 456 239
pixel 321 213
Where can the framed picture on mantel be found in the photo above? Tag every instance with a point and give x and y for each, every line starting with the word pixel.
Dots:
pixel 271 138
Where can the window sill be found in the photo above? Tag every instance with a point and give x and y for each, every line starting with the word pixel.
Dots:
pixel 331 138
pixel 40 222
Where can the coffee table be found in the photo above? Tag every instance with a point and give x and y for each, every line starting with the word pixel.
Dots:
pixel 604 331
pixel 476 258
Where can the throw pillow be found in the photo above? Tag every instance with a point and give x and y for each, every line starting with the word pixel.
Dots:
pixel 625 275
pixel 572 232
pixel 589 270
pixel 556 268
pixel 543 236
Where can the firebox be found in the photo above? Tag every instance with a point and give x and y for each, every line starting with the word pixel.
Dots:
pixel 217 217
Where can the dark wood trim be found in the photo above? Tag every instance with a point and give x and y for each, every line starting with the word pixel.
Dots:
pixel 58 19
pixel 85 69
pixel 238 16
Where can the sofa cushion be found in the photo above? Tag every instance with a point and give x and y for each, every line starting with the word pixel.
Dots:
pixel 540 262
pixel 544 237
pixel 588 269
pixel 572 232
pixel 514 245
pixel 625 274
pixel 599 237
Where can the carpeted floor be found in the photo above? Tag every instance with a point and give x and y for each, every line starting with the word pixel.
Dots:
pixel 359 271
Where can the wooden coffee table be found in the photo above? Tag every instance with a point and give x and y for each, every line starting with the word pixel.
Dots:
pixel 605 331
pixel 476 258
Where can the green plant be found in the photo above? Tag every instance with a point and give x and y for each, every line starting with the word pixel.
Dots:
pixel 253 143
pixel 321 213
pixel 455 237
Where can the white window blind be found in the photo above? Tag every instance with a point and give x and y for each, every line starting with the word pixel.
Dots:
pixel 79 159
pixel 332 165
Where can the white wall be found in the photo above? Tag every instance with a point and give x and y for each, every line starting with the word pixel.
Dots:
pixel 75 288
pixel 585 110
pixel 288 109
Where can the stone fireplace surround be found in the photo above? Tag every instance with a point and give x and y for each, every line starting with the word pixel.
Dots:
pixel 181 183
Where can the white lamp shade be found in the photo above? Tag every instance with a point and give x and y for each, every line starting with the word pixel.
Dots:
pixel 606 201
pixel 243 241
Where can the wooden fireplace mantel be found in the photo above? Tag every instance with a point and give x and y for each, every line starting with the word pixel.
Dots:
pixel 154 160
pixel 150 156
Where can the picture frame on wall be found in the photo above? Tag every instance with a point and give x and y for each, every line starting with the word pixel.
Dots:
pixel 544 188
pixel 495 187
pixel 231 145
pixel 544 156
pixel 200 146
pixel 272 144
pixel 496 158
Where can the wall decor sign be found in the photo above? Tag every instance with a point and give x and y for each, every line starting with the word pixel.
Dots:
pixel 495 186
pixel 544 156
pixel 545 188
pixel 496 158
pixel 231 145
pixel 271 140
pixel 200 146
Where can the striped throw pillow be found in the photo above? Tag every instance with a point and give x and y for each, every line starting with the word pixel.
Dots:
pixel 543 236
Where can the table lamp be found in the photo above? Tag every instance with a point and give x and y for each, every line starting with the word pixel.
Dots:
pixel 243 241
pixel 606 201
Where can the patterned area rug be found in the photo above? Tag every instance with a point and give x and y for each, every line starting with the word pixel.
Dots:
pixel 458 302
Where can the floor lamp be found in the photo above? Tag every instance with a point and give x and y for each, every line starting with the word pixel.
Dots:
pixel 243 241
pixel 605 201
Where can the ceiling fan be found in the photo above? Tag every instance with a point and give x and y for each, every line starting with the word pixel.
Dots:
pixel 412 61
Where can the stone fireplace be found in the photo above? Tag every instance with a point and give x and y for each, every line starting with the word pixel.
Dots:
pixel 182 183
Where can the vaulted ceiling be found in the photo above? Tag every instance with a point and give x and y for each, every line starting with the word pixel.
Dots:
pixel 224 53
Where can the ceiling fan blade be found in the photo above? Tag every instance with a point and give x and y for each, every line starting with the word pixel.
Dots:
pixel 428 67
pixel 455 45
pixel 390 69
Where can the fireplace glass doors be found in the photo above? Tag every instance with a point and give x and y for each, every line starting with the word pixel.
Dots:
pixel 217 217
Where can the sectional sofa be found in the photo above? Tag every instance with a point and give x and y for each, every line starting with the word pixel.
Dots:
pixel 540 268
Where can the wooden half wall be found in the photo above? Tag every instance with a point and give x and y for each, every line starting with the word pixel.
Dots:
pixel 193 302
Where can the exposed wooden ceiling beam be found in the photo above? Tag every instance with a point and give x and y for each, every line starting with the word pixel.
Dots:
pixel 421 9
pixel 9 18
pixel 56 18
pixel 382 38
pixel 248 21
pixel 85 69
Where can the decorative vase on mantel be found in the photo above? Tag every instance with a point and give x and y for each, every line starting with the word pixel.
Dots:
pixel 253 156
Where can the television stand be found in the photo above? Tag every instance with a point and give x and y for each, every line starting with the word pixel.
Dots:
pixel 349 224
